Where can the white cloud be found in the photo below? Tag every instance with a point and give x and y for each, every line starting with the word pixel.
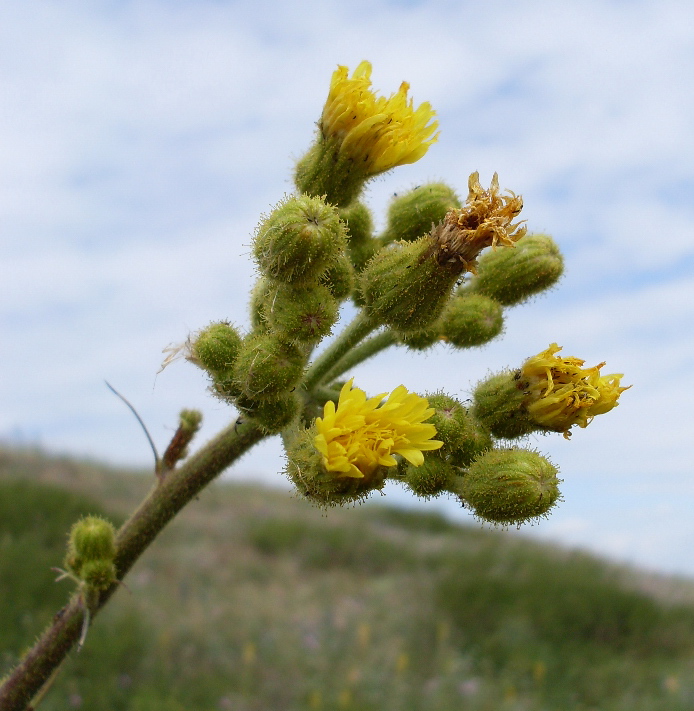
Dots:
pixel 140 142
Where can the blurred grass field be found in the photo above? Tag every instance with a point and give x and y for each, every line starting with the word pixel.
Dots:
pixel 253 600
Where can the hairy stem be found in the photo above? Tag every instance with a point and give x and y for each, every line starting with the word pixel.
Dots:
pixel 163 502
pixel 359 328
pixel 359 354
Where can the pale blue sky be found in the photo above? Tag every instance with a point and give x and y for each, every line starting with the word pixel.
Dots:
pixel 140 141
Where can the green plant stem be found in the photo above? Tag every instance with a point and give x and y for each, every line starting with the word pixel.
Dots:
pixel 163 502
pixel 359 328
pixel 357 355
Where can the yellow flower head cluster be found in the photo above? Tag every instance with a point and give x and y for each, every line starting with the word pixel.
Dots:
pixel 360 435
pixel 564 393
pixel 377 133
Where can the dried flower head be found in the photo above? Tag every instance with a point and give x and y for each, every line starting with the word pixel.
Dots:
pixel 486 220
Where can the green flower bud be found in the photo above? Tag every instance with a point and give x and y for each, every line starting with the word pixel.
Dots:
pixel 432 477
pixel 91 538
pixel 267 366
pixel 421 340
pixel 513 275
pixel 471 320
pixel 272 414
pixel 340 278
pixel 511 486
pixel 404 286
pixel 301 314
pixel 258 301
pixel 300 240
pixel 359 221
pixel 412 214
pixel 98 574
pixel 215 349
pixel 306 471
pixel 361 245
pixel 499 404
pixel 464 438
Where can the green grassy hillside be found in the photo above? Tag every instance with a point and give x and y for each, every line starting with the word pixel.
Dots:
pixel 253 600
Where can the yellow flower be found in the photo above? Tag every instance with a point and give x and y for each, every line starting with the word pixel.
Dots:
pixel 360 435
pixel 376 132
pixel 564 393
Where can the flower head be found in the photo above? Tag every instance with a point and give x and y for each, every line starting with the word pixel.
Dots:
pixel 378 133
pixel 361 435
pixel 486 220
pixel 563 393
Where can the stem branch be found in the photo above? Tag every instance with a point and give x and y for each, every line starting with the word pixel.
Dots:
pixel 163 502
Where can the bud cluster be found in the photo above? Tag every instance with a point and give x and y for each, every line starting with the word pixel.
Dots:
pixel 442 271
pixel 91 552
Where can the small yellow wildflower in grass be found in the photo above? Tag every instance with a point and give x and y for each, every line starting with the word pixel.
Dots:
pixel 377 132
pixel 360 435
pixel 564 393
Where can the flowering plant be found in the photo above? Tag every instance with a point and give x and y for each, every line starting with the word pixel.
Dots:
pixel 316 250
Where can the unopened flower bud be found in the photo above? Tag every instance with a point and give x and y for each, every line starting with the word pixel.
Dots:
pixel 512 276
pixel 464 438
pixel 98 574
pixel 510 486
pixel 412 214
pixel 361 244
pixel 301 314
pixel 471 320
pixel 258 301
pixel 267 366
pixel 421 340
pixel 300 240
pixel 215 349
pixel 92 538
pixel 339 278
pixel 430 479
pixel 272 414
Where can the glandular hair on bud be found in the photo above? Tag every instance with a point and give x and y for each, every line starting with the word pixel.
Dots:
pixel 431 478
pixel 405 287
pixel 511 276
pixel 361 244
pixel 258 301
pixel 471 320
pixel 98 574
pixel 464 438
pixel 267 366
pixel 306 471
pixel 302 313
pixel 92 538
pixel 421 340
pixel 359 221
pixel 215 349
pixel 511 486
pixel 340 278
pixel 499 403
pixel 299 240
pixel 413 213
pixel 272 414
